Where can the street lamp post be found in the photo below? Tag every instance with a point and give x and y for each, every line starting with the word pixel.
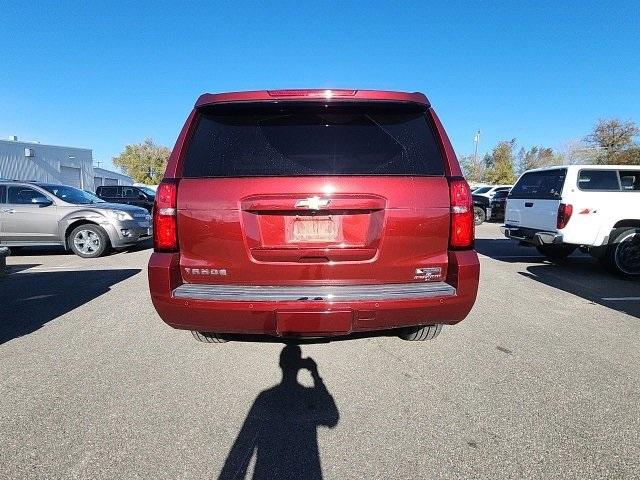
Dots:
pixel 476 140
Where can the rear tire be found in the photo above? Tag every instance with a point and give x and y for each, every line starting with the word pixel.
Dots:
pixel 420 333
pixel 622 256
pixel 479 215
pixel 208 337
pixel 555 252
pixel 89 241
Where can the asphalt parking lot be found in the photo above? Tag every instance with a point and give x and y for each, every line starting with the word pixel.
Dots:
pixel 541 381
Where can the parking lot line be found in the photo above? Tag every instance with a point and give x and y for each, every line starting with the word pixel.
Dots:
pixel 621 299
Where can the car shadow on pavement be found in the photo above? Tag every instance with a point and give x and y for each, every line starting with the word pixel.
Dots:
pixel 590 281
pixel 37 251
pixel 506 250
pixel 281 426
pixel 579 274
pixel 28 300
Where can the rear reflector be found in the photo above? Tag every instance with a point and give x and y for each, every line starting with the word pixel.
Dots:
pixel 316 93
pixel 564 214
pixel 462 226
pixel 165 227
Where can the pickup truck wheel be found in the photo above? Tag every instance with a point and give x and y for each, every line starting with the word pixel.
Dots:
pixel 88 241
pixel 623 253
pixel 555 252
pixel 207 337
pixel 479 215
pixel 421 333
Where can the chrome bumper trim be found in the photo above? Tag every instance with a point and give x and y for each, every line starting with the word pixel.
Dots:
pixel 338 293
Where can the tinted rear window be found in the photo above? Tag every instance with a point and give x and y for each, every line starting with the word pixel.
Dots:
pixel 545 184
pixel 108 191
pixel 298 140
pixel 598 180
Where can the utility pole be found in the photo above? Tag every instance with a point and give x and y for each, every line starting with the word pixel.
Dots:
pixel 476 140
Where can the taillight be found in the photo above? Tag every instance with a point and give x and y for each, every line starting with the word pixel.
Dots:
pixel 564 214
pixel 165 215
pixel 462 225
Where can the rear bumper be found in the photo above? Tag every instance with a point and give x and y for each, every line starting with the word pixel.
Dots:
pixel 532 236
pixel 311 310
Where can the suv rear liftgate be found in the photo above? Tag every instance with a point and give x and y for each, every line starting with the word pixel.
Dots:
pixel 312 218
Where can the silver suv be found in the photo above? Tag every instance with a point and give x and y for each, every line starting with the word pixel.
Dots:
pixel 49 214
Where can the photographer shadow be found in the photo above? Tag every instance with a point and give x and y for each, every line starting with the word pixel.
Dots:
pixel 281 426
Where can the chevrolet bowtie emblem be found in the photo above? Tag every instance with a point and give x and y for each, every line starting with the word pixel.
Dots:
pixel 313 203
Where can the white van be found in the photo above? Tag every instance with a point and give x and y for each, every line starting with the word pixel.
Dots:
pixel 594 207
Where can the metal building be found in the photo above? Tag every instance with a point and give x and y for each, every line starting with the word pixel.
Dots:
pixel 107 177
pixel 33 161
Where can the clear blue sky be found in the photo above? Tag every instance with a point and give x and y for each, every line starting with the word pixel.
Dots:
pixel 102 76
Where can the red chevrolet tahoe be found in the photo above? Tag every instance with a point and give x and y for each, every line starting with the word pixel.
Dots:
pixel 313 213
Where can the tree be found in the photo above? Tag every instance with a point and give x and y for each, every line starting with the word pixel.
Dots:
pixel 144 162
pixel 500 164
pixel 578 152
pixel 474 168
pixel 537 157
pixel 614 140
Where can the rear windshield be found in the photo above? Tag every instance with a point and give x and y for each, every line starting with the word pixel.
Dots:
pixel 544 184
pixel 298 140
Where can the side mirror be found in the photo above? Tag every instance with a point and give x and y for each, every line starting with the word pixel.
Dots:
pixel 41 201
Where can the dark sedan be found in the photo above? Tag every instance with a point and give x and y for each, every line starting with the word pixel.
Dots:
pixel 480 208
pixel 498 205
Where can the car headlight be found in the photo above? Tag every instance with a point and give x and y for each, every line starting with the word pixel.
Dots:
pixel 119 215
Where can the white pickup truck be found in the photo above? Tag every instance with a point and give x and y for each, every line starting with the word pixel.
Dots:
pixel 592 207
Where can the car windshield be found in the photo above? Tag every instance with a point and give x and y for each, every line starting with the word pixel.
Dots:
pixel 148 191
pixel 482 190
pixel 72 194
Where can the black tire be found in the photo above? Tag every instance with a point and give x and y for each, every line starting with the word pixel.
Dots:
pixel 479 215
pixel 89 241
pixel 622 256
pixel 420 333
pixel 208 337
pixel 555 252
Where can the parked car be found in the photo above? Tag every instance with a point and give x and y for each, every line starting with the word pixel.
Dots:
pixel 489 191
pixel 315 213
pixel 130 195
pixel 34 214
pixel 481 208
pixel 497 206
pixel 594 207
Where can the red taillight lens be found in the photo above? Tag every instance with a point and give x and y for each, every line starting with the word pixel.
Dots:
pixel 462 226
pixel 564 214
pixel 165 215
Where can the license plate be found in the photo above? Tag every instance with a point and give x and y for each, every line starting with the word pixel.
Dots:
pixel 314 229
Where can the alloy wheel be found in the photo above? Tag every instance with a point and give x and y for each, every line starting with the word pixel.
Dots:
pixel 87 242
pixel 627 255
